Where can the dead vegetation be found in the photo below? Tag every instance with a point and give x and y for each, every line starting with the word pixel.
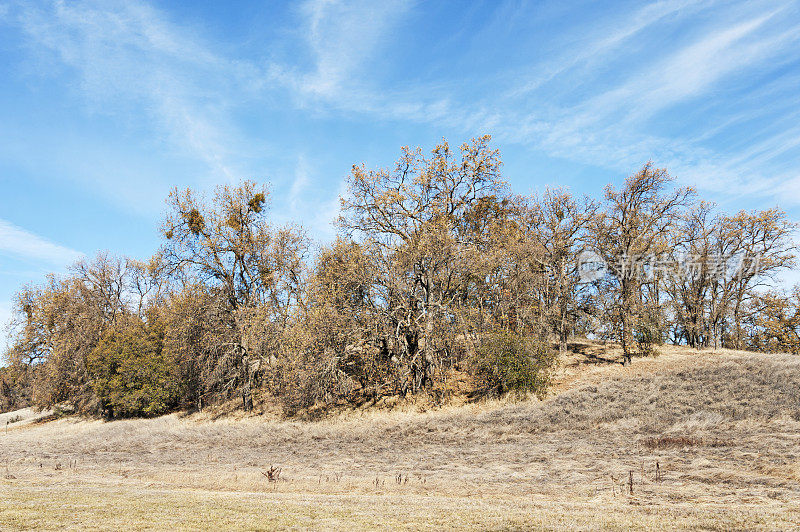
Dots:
pixel 441 278
pixel 273 474
pixel 708 440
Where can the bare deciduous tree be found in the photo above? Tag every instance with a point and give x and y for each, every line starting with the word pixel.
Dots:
pixel 630 228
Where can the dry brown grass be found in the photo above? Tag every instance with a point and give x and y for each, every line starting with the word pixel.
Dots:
pixel 724 429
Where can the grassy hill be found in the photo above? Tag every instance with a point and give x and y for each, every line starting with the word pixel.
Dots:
pixel 709 440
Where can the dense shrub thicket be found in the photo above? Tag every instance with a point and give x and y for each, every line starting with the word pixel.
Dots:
pixel 508 362
pixel 131 372
pixel 439 276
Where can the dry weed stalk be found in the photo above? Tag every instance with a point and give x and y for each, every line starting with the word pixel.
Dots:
pixel 272 474
pixel 614 480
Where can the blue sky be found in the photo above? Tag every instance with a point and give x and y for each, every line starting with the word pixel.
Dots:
pixel 105 106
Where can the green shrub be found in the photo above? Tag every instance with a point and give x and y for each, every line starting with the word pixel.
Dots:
pixel 132 374
pixel 507 362
pixel 648 334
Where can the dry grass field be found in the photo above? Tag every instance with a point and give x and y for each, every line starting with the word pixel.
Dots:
pixel 723 427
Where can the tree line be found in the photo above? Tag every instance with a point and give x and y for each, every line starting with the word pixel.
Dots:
pixel 441 281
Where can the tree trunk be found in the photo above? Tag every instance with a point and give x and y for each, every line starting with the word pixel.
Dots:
pixel 737 340
pixel 247 398
pixel 627 334
pixel 247 380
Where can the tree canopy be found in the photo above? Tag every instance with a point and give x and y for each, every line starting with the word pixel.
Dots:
pixel 440 281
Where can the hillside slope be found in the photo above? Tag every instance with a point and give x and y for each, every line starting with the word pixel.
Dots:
pixel 721 430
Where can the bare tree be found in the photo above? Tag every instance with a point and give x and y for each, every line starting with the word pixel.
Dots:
pixel 553 228
pixel 407 218
pixel 230 246
pixel 766 248
pixel 630 230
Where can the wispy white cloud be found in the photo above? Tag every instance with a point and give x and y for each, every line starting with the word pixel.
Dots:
pixel 609 38
pixel 308 202
pixel 614 128
pixel 18 242
pixel 134 53
pixel 5 319
pixel 128 56
pixel 689 72
pixel 342 37
pixel 345 41
pixel 299 184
